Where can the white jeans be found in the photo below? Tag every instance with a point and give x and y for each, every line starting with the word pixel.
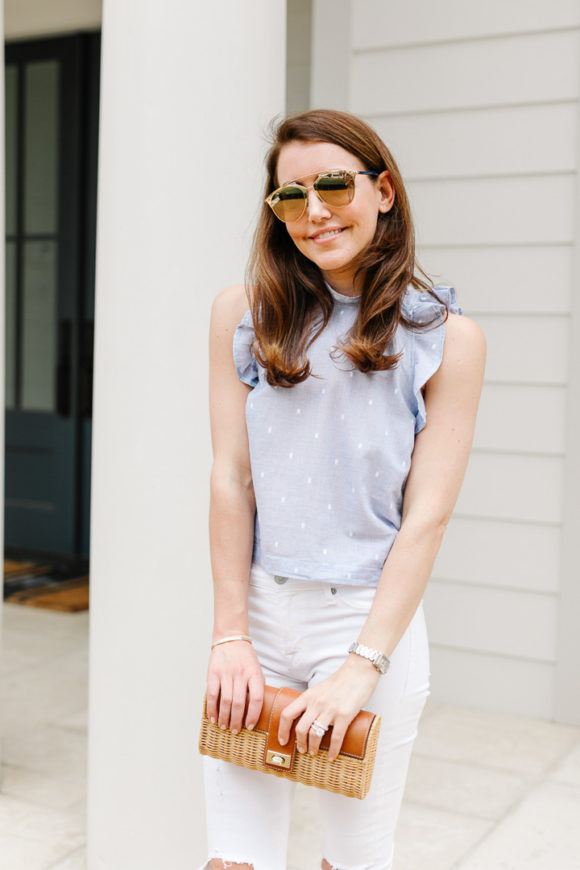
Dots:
pixel 301 631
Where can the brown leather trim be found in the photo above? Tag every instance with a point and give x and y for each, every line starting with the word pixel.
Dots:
pixel 282 699
pixel 263 722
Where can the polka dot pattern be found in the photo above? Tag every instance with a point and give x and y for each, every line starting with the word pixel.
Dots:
pixel 330 456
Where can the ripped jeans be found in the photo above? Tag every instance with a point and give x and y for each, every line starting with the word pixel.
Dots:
pixel 301 631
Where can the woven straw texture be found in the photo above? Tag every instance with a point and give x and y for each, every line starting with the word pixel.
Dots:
pixel 345 775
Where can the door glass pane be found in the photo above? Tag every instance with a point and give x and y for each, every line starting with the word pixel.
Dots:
pixel 10 346
pixel 39 326
pixel 11 132
pixel 41 147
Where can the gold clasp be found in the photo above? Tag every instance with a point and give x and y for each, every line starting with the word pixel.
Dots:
pixel 280 759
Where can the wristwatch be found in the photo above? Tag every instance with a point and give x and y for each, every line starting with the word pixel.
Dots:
pixel 378 659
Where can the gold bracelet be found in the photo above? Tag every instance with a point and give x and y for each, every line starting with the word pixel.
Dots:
pixel 231 638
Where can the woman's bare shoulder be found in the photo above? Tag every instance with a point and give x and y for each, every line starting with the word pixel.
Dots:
pixel 230 305
pixel 465 346
pixel 462 329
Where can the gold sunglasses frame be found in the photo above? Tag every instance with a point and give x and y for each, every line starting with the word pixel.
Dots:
pixel 350 172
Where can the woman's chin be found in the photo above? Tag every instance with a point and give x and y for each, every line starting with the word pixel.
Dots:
pixel 331 261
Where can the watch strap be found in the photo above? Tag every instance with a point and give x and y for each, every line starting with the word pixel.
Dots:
pixel 375 656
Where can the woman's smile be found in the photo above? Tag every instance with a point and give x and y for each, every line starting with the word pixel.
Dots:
pixel 327 235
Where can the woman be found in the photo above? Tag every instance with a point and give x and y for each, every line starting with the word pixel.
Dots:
pixel 343 399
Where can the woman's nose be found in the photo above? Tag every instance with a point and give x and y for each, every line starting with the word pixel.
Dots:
pixel 316 208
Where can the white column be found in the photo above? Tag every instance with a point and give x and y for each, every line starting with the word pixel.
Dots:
pixel 186 93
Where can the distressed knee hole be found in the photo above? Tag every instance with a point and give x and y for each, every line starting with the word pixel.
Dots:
pixel 218 864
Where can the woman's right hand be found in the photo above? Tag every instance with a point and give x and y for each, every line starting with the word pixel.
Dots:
pixel 234 672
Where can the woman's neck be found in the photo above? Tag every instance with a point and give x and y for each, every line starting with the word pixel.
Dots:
pixel 343 285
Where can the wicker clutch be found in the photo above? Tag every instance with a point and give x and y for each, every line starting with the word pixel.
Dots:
pixel 349 774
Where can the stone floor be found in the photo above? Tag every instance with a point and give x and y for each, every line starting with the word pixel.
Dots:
pixel 485 792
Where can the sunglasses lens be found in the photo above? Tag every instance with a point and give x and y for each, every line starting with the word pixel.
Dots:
pixel 335 188
pixel 288 203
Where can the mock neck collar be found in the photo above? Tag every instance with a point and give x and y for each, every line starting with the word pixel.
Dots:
pixel 341 297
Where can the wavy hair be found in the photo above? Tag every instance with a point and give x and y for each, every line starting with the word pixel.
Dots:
pixel 287 290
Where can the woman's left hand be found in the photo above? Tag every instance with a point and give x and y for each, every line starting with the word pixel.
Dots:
pixel 334 701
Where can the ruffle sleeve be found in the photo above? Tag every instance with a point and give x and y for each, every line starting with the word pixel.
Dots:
pixel 245 361
pixel 428 343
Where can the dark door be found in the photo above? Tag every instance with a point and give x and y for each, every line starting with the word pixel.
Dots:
pixel 51 147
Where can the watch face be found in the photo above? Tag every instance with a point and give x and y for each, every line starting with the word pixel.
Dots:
pixel 382 663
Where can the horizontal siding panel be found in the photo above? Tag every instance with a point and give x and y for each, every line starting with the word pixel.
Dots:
pixel 494 683
pixel 530 210
pixel 501 621
pixel 525 418
pixel 512 487
pixel 518 139
pixel 494 72
pixel 504 279
pixel 525 348
pixel 494 553
pixel 377 23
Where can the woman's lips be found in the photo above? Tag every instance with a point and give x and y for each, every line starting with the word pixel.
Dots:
pixel 327 235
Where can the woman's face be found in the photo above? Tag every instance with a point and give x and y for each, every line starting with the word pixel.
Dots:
pixel 350 228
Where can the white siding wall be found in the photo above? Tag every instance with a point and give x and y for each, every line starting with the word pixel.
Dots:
pixel 479 105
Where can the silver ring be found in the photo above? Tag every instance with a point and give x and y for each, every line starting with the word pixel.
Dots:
pixel 318 730
pixel 320 725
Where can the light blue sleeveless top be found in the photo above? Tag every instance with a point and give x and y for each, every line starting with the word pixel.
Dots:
pixel 330 457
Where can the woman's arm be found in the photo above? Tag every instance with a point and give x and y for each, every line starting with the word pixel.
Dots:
pixel 438 466
pixel 233 667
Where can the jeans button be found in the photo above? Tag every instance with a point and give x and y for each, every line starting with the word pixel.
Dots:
pixel 279 580
pixel 333 590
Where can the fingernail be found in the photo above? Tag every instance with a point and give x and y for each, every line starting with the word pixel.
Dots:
pixel 234 730
pixel 312 752
pixel 250 727
pixel 282 742
pixel 300 750
pixel 213 720
pixel 223 727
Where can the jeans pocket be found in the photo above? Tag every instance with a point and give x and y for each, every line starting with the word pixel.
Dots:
pixel 358 598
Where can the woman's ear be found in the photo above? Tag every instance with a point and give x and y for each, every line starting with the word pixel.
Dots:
pixel 387 191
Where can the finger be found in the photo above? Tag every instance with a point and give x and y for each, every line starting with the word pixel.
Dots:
pixel 306 739
pixel 339 728
pixel 256 690
pixel 239 698
pixel 212 697
pixel 315 738
pixel 225 704
pixel 287 716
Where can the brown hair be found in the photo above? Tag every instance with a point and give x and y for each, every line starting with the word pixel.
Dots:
pixel 288 290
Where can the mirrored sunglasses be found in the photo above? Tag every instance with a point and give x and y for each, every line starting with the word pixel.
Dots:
pixel 335 188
